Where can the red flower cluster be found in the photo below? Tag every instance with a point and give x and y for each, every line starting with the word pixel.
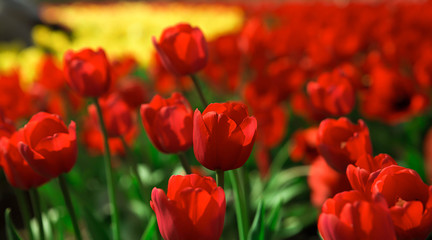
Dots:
pixel 393 199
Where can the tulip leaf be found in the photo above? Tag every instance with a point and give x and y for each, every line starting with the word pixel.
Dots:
pixel 10 229
pixel 273 221
pixel 150 230
pixel 257 231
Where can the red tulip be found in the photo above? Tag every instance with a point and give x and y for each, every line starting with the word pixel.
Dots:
pixel 367 167
pixel 118 118
pixel 409 200
pixel 93 139
pixel 223 135
pixel 305 145
pixel 182 49
pixel 332 93
pixel 168 123
pixel 133 92
pixel 193 208
pixel 391 97
pixel 341 142
pixel 349 215
pixel 18 172
pixel 49 147
pixel 87 72
pixel 272 122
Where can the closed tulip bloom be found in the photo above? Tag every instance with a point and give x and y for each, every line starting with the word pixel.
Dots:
pixel 349 215
pixel 341 142
pixel 223 135
pixel 193 208
pixel 182 49
pixel 17 171
pixel 49 146
pixel 168 123
pixel 118 118
pixel 87 72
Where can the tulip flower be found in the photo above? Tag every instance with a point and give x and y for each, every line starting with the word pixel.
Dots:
pixel 332 93
pixel 223 135
pixel 305 145
pixel 168 123
pixel 87 72
pixel 193 208
pixel 349 215
pixel 49 146
pixel 119 119
pixel 341 142
pixel 408 198
pixel 18 172
pixel 182 49
pixel 391 97
pixel 133 92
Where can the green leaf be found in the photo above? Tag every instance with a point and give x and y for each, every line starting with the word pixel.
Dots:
pixel 257 231
pixel 151 229
pixel 273 221
pixel 10 229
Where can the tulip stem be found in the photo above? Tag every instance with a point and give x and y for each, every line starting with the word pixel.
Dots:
pixel 134 167
pixel 109 175
pixel 35 201
pixel 66 195
pixel 23 207
pixel 184 162
pixel 220 177
pixel 198 88
pixel 240 205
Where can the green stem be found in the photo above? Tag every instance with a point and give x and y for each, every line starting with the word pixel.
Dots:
pixel 25 211
pixel 184 162
pixel 198 88
pixel 240 205
pixel 143 143
pixel 109 175
pixel 35 201
pixel 134 167
pixel 66 195
pixel 220 178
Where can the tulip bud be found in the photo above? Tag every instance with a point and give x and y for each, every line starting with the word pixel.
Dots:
pixel 87 72
pixel 223 135
pixel 193 208
pixel 182 49
pixel 168 123
pixel 118 118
